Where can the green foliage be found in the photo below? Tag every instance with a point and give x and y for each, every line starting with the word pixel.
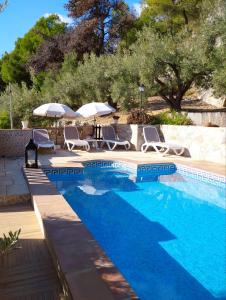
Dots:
pixel 183 46
pixel 171 118
pixel 14 64
pixel 170 16
pixel 219 60
pixel 9 242
pixel 125 83
pixel 4 120
pixel 2 83
pixel 62 87
pixel 24 101
pixel 94 78
pixel 171 64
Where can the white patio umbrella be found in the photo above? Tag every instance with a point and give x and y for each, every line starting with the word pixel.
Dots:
pixel 55 110
pixel 95 109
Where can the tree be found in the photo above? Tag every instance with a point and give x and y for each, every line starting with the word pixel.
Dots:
pixel 14 64
pixel 4 120
pixel 170 65
pixel 170 15
pixel 63 86
pixel 3 5
pixel 49 55
pixel 2 83
pixel 25 100
pixel 219 60
pixel 101 22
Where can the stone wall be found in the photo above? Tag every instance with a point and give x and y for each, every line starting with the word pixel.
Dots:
pixel 201 143
pixel 203 118
pixel 12 142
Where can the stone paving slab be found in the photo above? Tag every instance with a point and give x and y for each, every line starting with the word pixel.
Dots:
pixel 13 187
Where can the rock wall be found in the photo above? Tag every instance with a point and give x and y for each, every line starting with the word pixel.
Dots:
pixel 208 97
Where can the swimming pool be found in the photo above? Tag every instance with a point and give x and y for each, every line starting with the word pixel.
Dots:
pixel 162 226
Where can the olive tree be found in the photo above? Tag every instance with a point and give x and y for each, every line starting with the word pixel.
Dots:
pixel 170 65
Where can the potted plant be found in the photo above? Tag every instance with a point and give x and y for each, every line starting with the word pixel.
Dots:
pixel 115 119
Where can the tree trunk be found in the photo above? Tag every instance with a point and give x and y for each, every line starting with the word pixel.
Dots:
pixel 176 106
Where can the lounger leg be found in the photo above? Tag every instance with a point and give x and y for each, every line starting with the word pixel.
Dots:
pixel 72 147
pixel 144 147
pixel 159 151
pixel 68 147
pixel 166 151
pixel 87 147
pixel 179 151
pixel 127 146
pixel 114 146
pixel 109 146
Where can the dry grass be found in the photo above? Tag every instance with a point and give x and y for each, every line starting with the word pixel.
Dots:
pixel 155 106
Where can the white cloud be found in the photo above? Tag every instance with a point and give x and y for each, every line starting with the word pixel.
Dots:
pixel 137 7
pixel 63 19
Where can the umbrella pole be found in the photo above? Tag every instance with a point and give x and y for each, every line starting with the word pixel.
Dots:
pixel 56 129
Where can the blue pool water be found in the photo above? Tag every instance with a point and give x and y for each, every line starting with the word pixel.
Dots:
pixel 165 233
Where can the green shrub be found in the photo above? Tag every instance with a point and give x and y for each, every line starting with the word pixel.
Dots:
pixel 171 118
pixel 4 120
pixel 7 243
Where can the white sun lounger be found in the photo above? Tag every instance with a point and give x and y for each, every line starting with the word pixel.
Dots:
pixel 152 139
pixel 41 139
pixel 72 139
pixel 110 138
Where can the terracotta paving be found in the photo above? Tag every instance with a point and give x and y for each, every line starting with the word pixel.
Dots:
pixel 26 272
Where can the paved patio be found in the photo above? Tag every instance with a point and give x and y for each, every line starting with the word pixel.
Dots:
pixel 13 188
pixel 27 272
pixel 63 157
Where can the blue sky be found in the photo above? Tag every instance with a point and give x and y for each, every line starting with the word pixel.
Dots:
pixel 21 15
